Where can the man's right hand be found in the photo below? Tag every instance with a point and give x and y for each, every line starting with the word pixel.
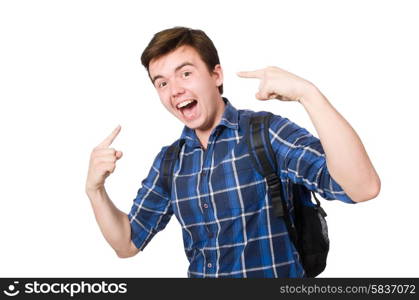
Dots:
pixel 102 162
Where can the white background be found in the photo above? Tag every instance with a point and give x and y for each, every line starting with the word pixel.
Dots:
pixel 70 72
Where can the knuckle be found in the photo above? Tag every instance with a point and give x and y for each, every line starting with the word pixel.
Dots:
pixel 101 160
pixel 94 161
pixel 98 166
pixel 97 151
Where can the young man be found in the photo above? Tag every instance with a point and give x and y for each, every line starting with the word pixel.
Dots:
pixel 217 196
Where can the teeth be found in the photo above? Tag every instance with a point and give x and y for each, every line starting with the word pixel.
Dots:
pixel 184 103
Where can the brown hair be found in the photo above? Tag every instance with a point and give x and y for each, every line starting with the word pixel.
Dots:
pixel 170 39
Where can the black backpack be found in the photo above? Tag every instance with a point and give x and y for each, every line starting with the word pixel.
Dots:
pixel 309 232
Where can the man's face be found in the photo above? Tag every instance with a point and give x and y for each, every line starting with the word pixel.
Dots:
pixel 187 89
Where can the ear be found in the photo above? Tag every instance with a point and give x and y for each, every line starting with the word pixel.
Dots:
pixel 217 74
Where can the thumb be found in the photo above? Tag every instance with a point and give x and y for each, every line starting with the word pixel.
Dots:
pixel 118 154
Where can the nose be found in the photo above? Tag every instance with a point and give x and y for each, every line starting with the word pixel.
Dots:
pixel 176 89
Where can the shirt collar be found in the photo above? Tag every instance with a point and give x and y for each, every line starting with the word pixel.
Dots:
pixel 229 119
pixel 230 116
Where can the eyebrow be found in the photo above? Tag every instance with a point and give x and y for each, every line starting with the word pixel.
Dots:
pixel 186 63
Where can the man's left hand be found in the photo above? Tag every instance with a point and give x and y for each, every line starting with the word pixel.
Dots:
pixel 276 83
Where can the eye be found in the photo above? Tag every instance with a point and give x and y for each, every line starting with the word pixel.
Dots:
pixel 187 74
pixel 161 84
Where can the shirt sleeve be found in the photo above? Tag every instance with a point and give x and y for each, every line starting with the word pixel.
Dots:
pixel 301 159
pixel 151 209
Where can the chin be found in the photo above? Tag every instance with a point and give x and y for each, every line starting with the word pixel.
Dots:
pixel 195 124
pixel 192 125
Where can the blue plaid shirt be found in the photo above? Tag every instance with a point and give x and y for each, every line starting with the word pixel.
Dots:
pixel 222 204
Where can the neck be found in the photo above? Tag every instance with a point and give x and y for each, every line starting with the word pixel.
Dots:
pixel 203 135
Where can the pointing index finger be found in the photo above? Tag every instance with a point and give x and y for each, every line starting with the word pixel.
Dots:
pixel 108 141
pixel 251 74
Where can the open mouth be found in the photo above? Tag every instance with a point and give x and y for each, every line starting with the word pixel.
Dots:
pixel 188 108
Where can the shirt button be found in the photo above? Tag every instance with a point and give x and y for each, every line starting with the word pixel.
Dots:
pixel 205 205
pixel 209 265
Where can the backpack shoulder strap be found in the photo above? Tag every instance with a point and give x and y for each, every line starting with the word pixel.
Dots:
pixel 257 134
pixel 263 157
pixel 259 146
pixel 168 163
